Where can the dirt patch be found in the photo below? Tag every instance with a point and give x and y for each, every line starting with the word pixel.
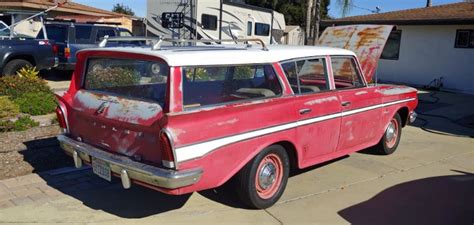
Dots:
pixel 29 151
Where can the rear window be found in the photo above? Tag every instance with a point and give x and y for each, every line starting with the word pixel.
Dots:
pixel 128 77
pixel 57 33
pixel 214 85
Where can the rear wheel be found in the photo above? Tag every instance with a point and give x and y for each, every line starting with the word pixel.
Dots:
pixel 262 181
pixel 391 138
pixel 15 65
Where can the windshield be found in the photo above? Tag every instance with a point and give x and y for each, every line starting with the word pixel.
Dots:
pixel 128 78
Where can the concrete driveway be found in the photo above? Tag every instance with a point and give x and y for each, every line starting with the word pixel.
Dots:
pixel 429 180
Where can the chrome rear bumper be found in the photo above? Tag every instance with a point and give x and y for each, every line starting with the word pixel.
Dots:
pixel 128 169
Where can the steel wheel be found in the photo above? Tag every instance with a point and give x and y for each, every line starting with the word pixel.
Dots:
pixel 269 175
pixel 262 181
pixel 391 137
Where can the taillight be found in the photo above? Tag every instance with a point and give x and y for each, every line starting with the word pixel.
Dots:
pixel 55 49
pixel 167 157
pixel 67 52
pixel 61 119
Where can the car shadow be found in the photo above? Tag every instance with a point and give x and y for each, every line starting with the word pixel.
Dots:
pixel 56 169
pixel 227 194
pixel 434 200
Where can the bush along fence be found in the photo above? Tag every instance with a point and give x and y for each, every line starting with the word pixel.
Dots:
pixel 23 96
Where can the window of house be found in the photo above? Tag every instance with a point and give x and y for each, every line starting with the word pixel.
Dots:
pixel 307 76
pixel 209 22
pixel 102 32
pixel 262 29
pixel 249 28
pixel 392 47
pixel 345 73
pixel 214 85
pixel 464 39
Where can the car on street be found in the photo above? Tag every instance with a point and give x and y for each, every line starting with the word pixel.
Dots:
pixel 184 117
pixel 18 51
pixel 70 37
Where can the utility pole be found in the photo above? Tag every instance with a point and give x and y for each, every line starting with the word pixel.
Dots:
pixel 309 12
pixel 317 21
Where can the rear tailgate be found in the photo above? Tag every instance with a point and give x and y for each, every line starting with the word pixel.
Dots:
pixel 119 107
pixel 366 41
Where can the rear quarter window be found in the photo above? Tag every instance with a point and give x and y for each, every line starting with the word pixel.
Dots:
pixel 128 78
pixel 214 85
pixel 57 33
pixel 83 33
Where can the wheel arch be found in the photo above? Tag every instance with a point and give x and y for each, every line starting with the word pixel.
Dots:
pixel 285 143
pixel 26 57
pixel 403 112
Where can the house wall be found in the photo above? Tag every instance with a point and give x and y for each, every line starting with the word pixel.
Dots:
pixel 427 53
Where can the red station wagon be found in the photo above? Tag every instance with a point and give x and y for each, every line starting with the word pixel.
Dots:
pixel 184 119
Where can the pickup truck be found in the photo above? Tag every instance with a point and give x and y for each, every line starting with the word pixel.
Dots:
pixel 19 51
pixel 179 118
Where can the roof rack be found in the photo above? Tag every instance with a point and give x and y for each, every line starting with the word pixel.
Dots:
pixel 104 41
pixel 49 19
pixel 159 41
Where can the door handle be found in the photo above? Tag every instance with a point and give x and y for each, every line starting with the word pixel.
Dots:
pixel 305 111
pixel 346 103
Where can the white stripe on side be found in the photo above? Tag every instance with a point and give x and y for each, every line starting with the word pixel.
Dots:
pixel 198 150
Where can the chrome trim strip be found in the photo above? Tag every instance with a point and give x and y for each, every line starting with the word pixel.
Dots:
pixel 197 150
pixel 166 178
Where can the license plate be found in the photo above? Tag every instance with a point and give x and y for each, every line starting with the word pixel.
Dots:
pixel 101 169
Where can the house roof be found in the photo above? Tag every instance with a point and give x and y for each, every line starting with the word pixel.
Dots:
pixel 455 13
pixel 67 7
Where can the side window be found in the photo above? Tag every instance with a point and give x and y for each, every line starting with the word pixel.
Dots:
pixel 262 29
pixel 307 76
pixel 214 85
pixel 102 32
pixel 345 73
pixel 83 33
pixel 209 22
pixel 249 28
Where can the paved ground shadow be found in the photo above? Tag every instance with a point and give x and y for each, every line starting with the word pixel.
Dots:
pixel 439 123
pixel 434 200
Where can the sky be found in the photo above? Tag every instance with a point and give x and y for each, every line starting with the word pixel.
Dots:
pixel 360 7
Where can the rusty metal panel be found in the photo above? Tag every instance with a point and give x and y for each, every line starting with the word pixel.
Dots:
pixel 366 41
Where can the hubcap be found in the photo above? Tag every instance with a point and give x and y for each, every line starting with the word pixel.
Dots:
pixel 390 133
pixel 269 176
pixel 266 176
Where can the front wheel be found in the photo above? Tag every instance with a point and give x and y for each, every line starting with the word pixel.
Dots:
pixel 391 138
pixel 262 181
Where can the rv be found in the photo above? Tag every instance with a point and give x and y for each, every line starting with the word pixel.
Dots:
pixel 213 19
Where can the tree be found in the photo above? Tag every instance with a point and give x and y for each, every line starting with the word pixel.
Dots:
pixel 121 8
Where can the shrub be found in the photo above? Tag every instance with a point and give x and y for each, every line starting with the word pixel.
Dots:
pixel 22 123
pixel 28 72
pixel 36 103
pixel 15 86
pixel 7 107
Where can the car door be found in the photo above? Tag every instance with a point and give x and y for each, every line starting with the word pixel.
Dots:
pixel 318 107
pixel 361 112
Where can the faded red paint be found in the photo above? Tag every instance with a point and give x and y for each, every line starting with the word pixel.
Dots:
pixel 366 41
pixel 313 142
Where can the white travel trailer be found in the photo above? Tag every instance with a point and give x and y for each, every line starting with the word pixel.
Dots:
pixel 213 19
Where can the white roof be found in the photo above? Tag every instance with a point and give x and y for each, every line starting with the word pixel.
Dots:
pixel 229 54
